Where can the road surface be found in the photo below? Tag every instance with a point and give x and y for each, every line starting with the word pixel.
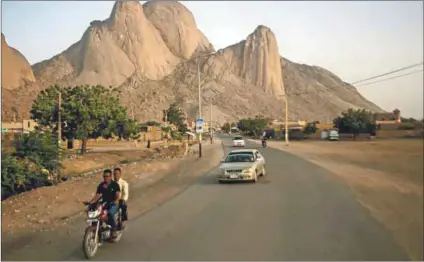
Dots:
pixel 299 211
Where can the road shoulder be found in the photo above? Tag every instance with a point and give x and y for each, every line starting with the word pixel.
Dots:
pixel 394 198
pixel 46 244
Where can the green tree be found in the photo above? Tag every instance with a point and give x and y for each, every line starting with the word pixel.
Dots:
pixel 86 112
pixel 175 115
pixel 355 122
pixel 310 128
pixel 254 127
pixel 226 127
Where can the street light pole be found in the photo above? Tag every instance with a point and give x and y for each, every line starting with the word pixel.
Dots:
pixel 200 108
pixel 210 125
pixel 286 135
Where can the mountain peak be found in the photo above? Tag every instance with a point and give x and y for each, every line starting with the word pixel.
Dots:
pixel 262 28
pixel 177 28
pixel 16 71
pixel 129 6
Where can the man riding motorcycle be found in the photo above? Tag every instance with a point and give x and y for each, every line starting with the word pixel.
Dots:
pixel 109 192
pixel 123 185
pixel 263 141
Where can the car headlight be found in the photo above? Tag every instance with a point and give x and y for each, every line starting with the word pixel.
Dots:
pixel 248 170
pixel 221 171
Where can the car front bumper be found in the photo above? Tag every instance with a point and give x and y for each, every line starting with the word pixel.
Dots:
pixel 240 177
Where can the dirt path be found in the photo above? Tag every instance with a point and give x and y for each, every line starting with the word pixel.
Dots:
pixel 150 185
pixel 386 177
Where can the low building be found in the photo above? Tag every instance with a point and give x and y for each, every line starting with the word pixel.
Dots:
pixel 388 118
pixel 292 125
pixel 26 126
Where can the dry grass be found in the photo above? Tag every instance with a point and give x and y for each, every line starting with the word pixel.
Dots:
pixel 386 177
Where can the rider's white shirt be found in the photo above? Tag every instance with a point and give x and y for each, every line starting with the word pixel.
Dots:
pixel 123 185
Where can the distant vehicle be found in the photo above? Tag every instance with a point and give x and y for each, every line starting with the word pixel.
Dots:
pixel 239 141
pixel 242 165
pixel 333 135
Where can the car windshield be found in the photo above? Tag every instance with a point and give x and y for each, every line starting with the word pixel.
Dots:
pixel 240 157
pixel 238 138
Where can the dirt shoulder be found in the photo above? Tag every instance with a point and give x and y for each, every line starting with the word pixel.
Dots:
pixel 52 206
pixel 151 184
pixel 385 175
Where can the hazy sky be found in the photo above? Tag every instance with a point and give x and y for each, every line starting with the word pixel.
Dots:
pixel 354 40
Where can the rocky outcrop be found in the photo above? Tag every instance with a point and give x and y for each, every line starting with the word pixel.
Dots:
pixel 256 60
pixel 153 51
pixel 111 51
pixel 178 28
pixel 16 71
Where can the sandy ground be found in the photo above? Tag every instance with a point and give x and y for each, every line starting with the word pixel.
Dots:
pixel 48 207
pixel 151 184
pixel 385 175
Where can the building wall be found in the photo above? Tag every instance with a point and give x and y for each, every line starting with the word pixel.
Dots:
pixel 27 125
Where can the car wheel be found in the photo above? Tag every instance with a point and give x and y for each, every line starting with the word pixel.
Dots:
pixel 255 178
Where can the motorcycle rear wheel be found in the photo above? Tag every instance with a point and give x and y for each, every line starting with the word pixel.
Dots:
pixel 89 244
pixel 118 237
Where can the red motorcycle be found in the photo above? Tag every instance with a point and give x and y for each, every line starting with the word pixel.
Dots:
pixel 98 231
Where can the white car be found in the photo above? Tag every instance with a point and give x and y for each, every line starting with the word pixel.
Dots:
pixel 242 165
pixel 238 141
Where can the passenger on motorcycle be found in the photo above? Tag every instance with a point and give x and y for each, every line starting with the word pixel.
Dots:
pixel 109 192
pixel 123 185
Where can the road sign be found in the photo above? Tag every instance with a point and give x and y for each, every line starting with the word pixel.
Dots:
pixel 199 125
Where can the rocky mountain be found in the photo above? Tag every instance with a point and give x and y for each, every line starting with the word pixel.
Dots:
pixel 18 83
pixel 16 70
pixel 153 51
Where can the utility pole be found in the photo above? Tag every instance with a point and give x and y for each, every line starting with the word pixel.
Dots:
pixel 59 123
pixel 200 108
pixel 59 119
pixel 286 135
pixel 210 125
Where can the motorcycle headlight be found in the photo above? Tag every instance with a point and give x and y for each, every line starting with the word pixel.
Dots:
pixel 93 214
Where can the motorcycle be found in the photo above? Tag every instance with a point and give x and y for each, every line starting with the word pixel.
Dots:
pixel 98 231
pixel 264 143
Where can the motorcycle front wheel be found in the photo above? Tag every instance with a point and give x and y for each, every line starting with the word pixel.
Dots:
pixel 89 244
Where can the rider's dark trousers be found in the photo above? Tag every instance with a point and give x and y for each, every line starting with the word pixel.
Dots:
pixel 124 210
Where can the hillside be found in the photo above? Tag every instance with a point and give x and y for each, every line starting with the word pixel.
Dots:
pixel 151 51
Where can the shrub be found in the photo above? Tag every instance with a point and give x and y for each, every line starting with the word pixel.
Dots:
pixel 41 149
pixel 36 155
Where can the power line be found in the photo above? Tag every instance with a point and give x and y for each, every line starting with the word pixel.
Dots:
pixel 388 73
pixel 393 77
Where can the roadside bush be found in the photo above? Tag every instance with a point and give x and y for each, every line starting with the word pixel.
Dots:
pixel 408 126
pixel 35 156
pixel 13 175
pixel 41 149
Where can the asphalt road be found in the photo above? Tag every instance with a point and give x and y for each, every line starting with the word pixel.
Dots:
pixel 299 211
